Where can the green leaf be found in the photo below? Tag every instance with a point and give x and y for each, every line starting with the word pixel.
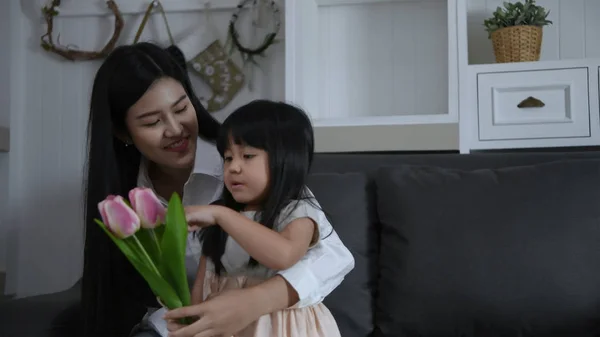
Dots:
pixel 160 287
pixel 514 14
pixel 173 246
pixel 160 232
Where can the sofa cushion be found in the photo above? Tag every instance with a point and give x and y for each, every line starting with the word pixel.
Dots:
pixel 491 252
pixel 345 198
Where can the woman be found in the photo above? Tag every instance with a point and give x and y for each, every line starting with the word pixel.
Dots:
pixel 148 128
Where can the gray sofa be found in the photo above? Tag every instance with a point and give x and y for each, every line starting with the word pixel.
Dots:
pixel 495 244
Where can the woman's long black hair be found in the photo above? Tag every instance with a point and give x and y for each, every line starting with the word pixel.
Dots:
pixel 114 296
pixel 286 134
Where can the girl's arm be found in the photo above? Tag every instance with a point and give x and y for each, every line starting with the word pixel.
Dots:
pixel 198 288
pixel 275 250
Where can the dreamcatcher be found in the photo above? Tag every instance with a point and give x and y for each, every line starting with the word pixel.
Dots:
pixel 260 10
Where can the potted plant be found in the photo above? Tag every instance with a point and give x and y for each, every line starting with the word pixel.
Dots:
pixel 516 31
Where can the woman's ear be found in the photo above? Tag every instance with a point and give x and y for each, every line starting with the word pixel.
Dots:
pixel 124 138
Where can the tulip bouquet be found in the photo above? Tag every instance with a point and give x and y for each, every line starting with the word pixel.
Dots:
pixel 153 239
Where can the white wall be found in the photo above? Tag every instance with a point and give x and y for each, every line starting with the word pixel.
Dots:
pixel 383 59
pixel 3 201
pixel 49 111
pixel 4 123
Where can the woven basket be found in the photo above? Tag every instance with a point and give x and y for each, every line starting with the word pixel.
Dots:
pixel 517 44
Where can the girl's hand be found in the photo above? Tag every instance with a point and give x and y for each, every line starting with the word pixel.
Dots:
pixel 200 216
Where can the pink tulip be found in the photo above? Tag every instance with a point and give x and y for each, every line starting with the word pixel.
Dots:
pixel 120 219
pixel 147 206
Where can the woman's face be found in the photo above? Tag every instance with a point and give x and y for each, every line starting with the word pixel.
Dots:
pixel 163 126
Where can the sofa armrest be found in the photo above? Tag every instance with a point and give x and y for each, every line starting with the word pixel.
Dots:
pixel 49 315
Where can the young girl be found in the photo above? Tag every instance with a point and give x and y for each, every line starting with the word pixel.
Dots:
pixel 267 219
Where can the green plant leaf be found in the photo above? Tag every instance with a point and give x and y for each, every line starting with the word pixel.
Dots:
pixel 160 287
pixel 173 246
pixel 515 14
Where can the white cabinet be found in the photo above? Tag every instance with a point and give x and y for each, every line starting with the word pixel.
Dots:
pixel 533 104
pixel 372 62
pixel 553 102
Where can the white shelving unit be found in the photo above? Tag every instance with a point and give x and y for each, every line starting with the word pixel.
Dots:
pixel 565 80
pixel 408 62
pixel 373 62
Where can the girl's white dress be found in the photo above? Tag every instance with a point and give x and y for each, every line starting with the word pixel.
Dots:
pixel 314 321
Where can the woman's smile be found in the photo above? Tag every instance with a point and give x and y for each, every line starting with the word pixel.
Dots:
pixel 181 145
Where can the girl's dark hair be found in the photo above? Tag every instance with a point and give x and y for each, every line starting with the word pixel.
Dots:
pixel 114 296
pixel 286 134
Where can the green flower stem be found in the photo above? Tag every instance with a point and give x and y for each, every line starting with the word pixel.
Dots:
pixel 155 240
pixel 145 253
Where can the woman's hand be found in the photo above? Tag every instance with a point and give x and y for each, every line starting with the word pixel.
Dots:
pixel 222 315
pixel 200 216
pixel 233 310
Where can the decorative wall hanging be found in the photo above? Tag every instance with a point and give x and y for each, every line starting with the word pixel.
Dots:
pixel 172 49
pixel 249 53
pixel 204 53
pixel 69 52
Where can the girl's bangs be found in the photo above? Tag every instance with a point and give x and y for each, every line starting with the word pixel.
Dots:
pixel 243 131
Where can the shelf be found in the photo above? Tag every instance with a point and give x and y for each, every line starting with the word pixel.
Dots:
pixel 387 120
pixel 421 137
pixel 570 36
pixel 372 62
pixel 527 66
pixel 99 8
pixel 362 2
pixel 4 139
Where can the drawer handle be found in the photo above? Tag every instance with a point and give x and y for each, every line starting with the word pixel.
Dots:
pixel 531 102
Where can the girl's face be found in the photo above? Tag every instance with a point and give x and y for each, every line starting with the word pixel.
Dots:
pixel 163 126
pixel 246 174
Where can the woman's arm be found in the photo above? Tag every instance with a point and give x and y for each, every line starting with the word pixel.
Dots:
pixel 198 288
pixel 232 310
pixel 305 283
pixel 275 250
pixel 320 271
pixel 276 294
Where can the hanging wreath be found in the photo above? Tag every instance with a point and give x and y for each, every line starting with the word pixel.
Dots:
pixel 248 53
pixel 69 52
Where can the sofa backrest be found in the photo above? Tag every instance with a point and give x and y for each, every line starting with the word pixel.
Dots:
pixel 365 195
pixel 369 163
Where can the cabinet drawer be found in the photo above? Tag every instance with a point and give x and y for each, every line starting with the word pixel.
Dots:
pixel 533 104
